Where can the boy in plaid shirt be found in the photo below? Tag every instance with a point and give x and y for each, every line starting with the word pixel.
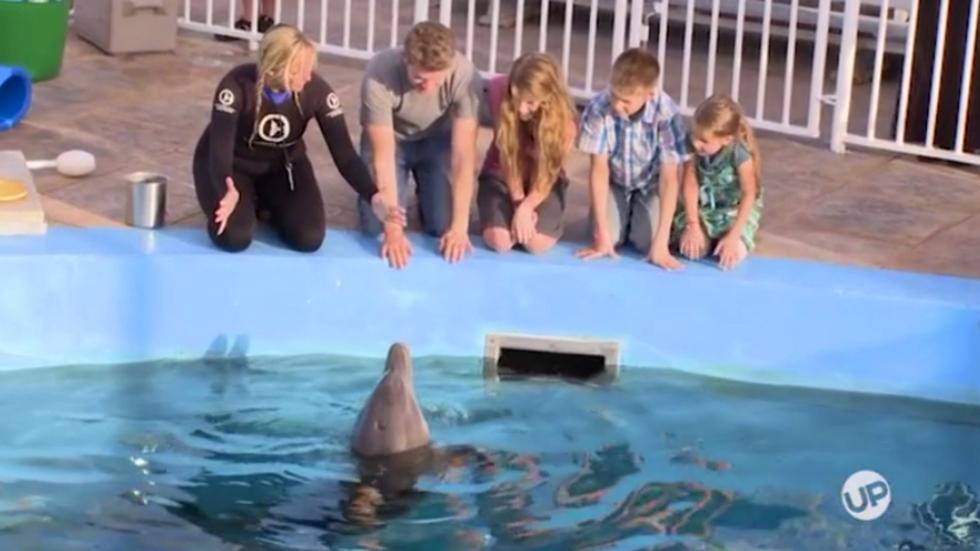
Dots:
pixel 638 142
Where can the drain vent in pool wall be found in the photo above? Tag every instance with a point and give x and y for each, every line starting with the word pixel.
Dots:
pixel 509 354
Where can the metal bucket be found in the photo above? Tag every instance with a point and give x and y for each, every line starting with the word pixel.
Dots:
pixel 146 204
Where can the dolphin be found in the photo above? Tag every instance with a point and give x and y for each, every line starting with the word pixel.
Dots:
pixel 390 442
pixel 391 421
pixel 393 448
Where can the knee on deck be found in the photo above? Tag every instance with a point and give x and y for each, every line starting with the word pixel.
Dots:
pixel 436 222
pixel 642 241
pixel 307 239
pixel 232 240
pixel 498 239
pixel 540 244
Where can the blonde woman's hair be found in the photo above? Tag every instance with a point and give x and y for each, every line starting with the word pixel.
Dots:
pixel 721 116
pixel 535 76
pixel 278 51
pixel 430 45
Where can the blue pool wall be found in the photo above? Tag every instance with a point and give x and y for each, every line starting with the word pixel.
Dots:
pixel 119 295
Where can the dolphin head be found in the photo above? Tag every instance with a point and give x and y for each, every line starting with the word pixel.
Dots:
pixel 399 362
pixel 390 421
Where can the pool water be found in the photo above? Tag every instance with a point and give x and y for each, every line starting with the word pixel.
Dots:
pixel 233 454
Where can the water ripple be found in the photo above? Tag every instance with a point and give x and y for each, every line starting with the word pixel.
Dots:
pixel 223 455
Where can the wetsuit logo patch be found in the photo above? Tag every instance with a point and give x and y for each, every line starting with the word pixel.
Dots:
pixel 333 104
pixel 274 128
pixel 226 97
pixel 225 100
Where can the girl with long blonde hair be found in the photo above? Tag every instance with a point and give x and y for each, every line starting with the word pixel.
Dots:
pixel 722 193
pixel 521 195
pixel 251 156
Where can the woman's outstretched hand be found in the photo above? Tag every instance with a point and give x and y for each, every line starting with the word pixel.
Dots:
pixel 226 206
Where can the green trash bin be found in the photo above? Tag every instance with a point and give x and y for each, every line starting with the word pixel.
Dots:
pixel 33 35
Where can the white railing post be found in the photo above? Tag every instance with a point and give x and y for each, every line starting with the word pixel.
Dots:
pixel 966 84
pixel 543 32
pixel 636 23
pixel 421 10
pixel 253 45
pixel 494 31
pixel 817 78
pixel 662 37
pixel 619 28
pixel 445 12
pixel 845 75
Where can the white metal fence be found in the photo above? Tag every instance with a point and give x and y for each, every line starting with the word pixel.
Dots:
pixel 933 109
pixel 764 80
pixel 779 58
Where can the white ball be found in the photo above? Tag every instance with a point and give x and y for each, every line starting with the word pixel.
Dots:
pixel 76 163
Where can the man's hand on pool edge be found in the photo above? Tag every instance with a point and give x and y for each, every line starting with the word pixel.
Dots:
pixel 395 246
pixel 454 245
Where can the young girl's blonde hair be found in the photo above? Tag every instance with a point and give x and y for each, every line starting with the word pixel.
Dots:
pixel 281 46
pixel 535 76
pixel 721 116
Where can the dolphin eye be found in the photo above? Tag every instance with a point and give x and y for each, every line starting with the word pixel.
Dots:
pixel 378 425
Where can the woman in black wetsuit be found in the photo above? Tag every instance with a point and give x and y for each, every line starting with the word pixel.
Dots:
pixel 252 153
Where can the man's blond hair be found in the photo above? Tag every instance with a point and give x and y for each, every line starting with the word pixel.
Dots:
pixel 430 46
pixel 635 69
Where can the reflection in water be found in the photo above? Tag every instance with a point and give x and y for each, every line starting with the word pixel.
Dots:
pixel 952 515
pixel 659 508
pixel 225 454
pixel 279 510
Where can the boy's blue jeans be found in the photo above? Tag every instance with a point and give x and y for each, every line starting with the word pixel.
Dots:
pixel 428 162
pixel 632 216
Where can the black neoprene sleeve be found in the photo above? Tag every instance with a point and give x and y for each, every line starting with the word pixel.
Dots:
pixel 334 128
pixel 228 103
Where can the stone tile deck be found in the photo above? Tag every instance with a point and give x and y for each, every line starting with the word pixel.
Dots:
pixel 145 112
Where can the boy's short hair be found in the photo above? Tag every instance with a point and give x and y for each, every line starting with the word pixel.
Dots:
pixel 430 45
pixel 634 69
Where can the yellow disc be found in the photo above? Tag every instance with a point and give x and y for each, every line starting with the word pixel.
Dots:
pixel 12 190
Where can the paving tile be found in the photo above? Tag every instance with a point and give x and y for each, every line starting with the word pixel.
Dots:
pixel 922 188
pixel 785 159
pixel 778 245
pixel 194 220
pixel 40 143
pixel 135 138
pixel 954 251
pixel 867 215
pixel 829 246
pixel 107 197
pixel 58 212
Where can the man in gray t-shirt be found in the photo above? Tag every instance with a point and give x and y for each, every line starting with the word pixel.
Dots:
pixel 419 110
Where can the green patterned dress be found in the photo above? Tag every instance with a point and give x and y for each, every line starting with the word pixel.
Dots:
pixel 719 195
